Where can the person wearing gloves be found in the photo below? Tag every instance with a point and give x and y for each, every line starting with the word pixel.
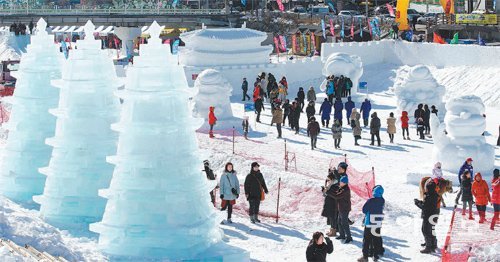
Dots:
pixel 373 210
pixel 255 187
pixel 317 249
pixel 343 196
pixel 481 193
pixel 229 190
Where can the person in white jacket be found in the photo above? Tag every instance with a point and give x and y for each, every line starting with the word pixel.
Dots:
pixel 229 190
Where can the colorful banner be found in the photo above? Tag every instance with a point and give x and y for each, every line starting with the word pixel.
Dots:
pixel 313 42
pixel 369 24
pixel 352 28
pixel 332 28
pixel 323 28
pixel 478 19
pixel 280 5
pixel 283 43
pixel 448 6
pixel 454 41
pixel 304 39
pixel 361 27
pixel 438 39
pixel 175 47
pixel 175 2
pixel 277 45
pixel 390 9
pixel 342 28
pixel 294 43
pixel 244 3
pixel 64 48
pixel 401 14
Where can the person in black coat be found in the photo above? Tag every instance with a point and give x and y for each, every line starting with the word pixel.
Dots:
pixel 295 116
pixel 427 117
pixel 244 88
pixel 429 216
pixel 259 106
pixel 330 206
pixel 286 112
pixel 210 176
pixel 466 186
pixel 254 185
pixel 375 128
pixel 301 96
pixel 317 249
pixel 310 110
pixel 419 113
pixel 343 196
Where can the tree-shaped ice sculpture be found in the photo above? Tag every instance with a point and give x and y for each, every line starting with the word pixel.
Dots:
pixel 30 122
pixel 157 202
pixel 83 138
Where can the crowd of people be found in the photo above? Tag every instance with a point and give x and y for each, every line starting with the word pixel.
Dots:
pixel 21 29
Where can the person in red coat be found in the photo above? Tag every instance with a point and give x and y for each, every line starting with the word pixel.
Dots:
pixel 404 124
pixel 256 92
pixel 212 120
pixel 481 192
pixel 495 197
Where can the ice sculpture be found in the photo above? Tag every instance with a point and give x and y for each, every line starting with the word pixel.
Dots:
pixel 347 65
pixel 83 138
pixel 157 202
pixel 214 90
pixel 419 87
pixel 30 122
pixel 464 124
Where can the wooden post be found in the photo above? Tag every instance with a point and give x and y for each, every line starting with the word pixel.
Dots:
pixel 286 158
pixel 278 202
pixel 233 140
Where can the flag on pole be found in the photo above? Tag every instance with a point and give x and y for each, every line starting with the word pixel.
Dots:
pixel 175 2
pixel 244 3
pixel 342 30
pixel 280 5
pixel 361 27
pixel 175 47
pixel 283 43
pixel 313 42
pixel 352 28
pixel 332 28
pixel 323 28
pixel 369 24
pixel 438 39
pixel 304 38
pixel 294 43
pixel 454 41
pixel 277 45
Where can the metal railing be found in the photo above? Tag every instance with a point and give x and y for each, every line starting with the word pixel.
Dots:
pixel 157 11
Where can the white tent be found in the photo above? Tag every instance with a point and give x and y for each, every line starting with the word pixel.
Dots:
pixel 61 30
pixel 71 29
pixel 79 30
pixel 99 29
pixel 106 31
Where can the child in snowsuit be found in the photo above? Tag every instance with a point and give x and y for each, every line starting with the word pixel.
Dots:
pixel 466 187
pixel 495 197
pixel 404 125
pixel 429 217
pixel 421 127
pixel 245 125
pixel 212 120
pixel 374 214
pixel 481 193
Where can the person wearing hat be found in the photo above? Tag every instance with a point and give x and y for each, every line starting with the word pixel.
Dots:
pixel 259 107
pixel 343 197
pixel 466 166
pixel 277 118
pixel 481 193
pixel 244 87
pixel 310 109
pixel 254 186
pixel 301 96
pixel 212 120
pixel 210 176
pixel 429 216
pixel 245 125
pixel 313 130
pixel 374 214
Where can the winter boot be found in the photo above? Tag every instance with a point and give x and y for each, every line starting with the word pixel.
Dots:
pixel 470 215
pixel 332 232
pixel 363 259
pixel 494 220
pixel 340 238
pixel 252 219
pixel 256 217
pixel 481 217
pixel 463 212
pixel 211 134
pixel 348 240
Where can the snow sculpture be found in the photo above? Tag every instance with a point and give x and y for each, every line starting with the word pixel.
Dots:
pixel 30 122
pixel 419 87
pixel 464 124
pixel 344 64
pixel 213 90
pixel 223 47
pixel 83 138
pixel 153 209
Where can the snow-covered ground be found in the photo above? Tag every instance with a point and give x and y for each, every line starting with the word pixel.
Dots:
pixel 397 167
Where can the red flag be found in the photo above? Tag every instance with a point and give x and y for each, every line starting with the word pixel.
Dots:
pixel 277 44
pixel 294 43
pixel 313 40
pixel 438 39
pixel 332 28
pixel 369 26
pixel 390 9
pixel 352 28
pixel 280 5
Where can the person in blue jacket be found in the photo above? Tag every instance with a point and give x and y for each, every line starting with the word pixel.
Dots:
pixel 325 110
pixel 229 190
pixel 366 107
pixel 466 166
pixel 330 89
pixel 374 214
pixel 349 105
pixel 338 107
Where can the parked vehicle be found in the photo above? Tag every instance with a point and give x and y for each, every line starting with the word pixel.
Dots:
pixel 319 10
pixel 412 13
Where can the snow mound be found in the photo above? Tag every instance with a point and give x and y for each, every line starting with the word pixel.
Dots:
pixel 416 86
pixel 12 46
pixel 23 226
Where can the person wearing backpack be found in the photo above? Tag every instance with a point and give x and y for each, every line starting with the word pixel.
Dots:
pixel 229 190
pixel 255 188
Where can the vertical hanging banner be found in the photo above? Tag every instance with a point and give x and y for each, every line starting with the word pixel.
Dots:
pixel 361 27
pixel 448 6
pixel 304 39
pixel 368 23
pixel 342 29
pixel 390 9
pixel 277 45
pixel 280 5
pixel 352 28
pixel 323 28
pixel 294 43
pixel 174 3
pixel 244 3
pixel 283 43
pixel 313 42
pixel 175 47
pixel 332 28
pixel 401 14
